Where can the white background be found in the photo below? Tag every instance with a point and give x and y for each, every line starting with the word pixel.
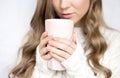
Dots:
pixel 15 17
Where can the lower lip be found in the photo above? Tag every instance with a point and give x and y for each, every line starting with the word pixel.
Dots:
pixel 67 16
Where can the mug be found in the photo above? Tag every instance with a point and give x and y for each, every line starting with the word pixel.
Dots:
pixel 62 28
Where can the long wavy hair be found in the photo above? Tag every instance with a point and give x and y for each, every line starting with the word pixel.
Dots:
pixel 94 40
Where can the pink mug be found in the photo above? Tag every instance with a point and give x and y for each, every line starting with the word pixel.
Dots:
pixel 62 28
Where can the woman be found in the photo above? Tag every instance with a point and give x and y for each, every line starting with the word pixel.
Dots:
pixel 94 51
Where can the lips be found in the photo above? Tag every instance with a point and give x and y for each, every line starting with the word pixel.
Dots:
pixel 67 15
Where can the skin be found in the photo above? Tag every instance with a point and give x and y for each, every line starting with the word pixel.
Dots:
pixel 59 48
pixel 71 9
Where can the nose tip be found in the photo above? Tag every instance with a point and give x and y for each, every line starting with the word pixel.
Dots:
pixel 64 4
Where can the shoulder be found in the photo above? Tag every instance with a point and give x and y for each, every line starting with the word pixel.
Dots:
pixel 112 37
pixel 110 34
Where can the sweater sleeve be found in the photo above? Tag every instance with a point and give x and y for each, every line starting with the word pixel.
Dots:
pixel 76 65
pixel 41 70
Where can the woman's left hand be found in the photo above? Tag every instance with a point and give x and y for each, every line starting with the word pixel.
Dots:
pixel 61 49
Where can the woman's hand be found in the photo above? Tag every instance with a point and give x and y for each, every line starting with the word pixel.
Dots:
pixel 43 46
pixel 61 49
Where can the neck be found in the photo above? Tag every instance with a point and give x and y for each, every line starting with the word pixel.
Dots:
pixel 78 24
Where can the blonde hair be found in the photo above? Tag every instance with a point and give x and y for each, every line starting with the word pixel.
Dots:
pixel 94 40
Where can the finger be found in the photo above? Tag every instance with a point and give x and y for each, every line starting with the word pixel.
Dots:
pixel 44 42
pixel 58 52
pixel 58 58
pixel 43 51
pixel 61 46
pixel 45 34
pixel 47 57
pixel 45 54
pixel 65 41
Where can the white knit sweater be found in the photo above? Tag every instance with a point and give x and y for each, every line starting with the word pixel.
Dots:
pixel 76 65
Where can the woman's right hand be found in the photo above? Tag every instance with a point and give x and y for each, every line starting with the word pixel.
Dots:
pixel 43 46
